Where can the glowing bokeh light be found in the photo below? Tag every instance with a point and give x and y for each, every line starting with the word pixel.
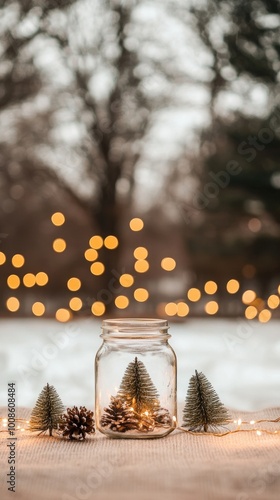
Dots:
pixel 251 312
pixel 141 294
pixel 211 307
pixel 98 308
pixel 182 309
pixel 273 301
pixel 141 266
pixel 63 315
pixel 168 264
pixel 29 280
pixel 136 224
pixel 13 281
pixel 58 219
pixel 75 304
pixel 97 268
pixel 18 260
pixel 171 309
pixel 126 280
pixel 248 296
pixel 121 302
pixel 38 309
pixel 140 253
pixel 91 254
pixel 210 287
pixel 74 284
pixel 233 286
pixel 2 258
pixel 193 294
pixel 13 304
pixel 96 242
pixel 264 316
pixel 41 278
pixel 59 245
pixel 111 242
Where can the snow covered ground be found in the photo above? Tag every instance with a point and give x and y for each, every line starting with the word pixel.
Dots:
pixel 240 358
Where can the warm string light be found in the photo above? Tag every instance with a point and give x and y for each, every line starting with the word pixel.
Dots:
pixel 239 422
pixel 258 432
pixel 4 422
pixel 252 422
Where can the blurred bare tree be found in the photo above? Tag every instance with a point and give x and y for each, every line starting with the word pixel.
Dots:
pixel 239 170
pixel 85 82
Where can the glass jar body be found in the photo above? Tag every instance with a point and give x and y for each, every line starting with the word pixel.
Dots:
pixel 135 380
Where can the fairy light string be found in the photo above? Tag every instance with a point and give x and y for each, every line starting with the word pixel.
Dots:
pixel 4 422
pixel 259 432
pixel 239 422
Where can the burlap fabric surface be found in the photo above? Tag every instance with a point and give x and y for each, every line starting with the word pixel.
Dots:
pixel 178 467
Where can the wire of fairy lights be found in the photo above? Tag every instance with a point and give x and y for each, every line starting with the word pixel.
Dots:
pixel 20 421
pixel 239 422
pixel 239 429
pixel 255 307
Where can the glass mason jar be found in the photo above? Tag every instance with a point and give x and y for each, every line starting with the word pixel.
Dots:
pixel 135 379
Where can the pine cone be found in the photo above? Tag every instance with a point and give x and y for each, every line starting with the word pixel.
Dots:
pixel 119 416
pixel 76 423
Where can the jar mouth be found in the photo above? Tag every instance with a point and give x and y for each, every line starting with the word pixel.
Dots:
pixel 135 328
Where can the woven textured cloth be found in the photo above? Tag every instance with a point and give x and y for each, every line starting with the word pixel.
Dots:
pixel 242 466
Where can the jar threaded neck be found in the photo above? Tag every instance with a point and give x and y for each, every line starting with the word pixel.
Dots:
pixel 135 328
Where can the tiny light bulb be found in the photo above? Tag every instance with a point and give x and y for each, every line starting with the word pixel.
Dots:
pixel 5 420
pixel 22 430
pixel 18 427
pixel 239 421
pixel 252 422
pixel 4 425
pixel 259 433
pixel 146 413
pixel 174 418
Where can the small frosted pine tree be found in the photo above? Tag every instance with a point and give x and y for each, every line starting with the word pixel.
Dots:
pixel 203 409
pixel 137 388
pixel 47 412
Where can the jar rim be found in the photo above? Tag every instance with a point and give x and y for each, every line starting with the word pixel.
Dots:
pixel 135 328
pixel 140 322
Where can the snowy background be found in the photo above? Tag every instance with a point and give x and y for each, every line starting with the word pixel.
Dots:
pixel 240 358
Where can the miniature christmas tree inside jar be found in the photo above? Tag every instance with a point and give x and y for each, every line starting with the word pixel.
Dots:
pixel 135 379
